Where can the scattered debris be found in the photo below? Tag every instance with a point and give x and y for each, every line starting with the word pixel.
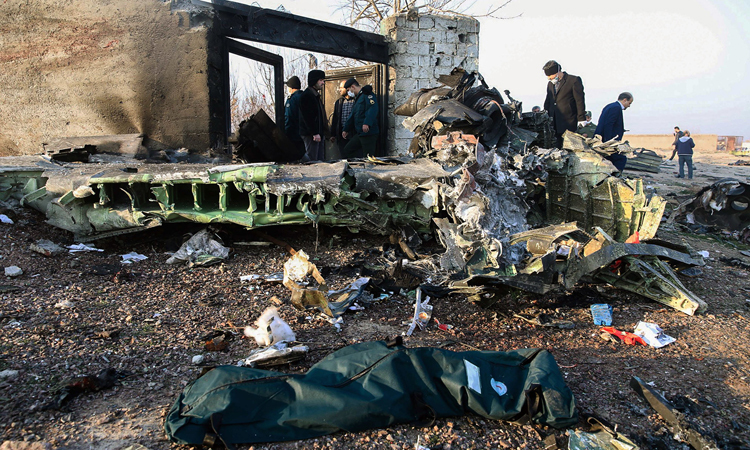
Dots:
pixel 6 219
pixel 46 247
pixel 75 248
pixel 132 257
pixel 13 271
pixel 274 355
pixel 422 313
pixel 271 329
pixel 546 320
pixel 105 379
pixel 600 436
pixel 645 161
pixel 204 248
pixel 198 360
pixel 628 338
pixel 678 424
pixel 217 340
pixel 64 304
pixel 652 334
pixel 602 314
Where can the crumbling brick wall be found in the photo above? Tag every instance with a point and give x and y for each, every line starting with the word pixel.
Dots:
pixel 83 68
pixel 422 48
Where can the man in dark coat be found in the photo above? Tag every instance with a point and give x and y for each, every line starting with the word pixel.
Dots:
pixel 565 102
pixel 342 109
pixel 611 125
pixel 291 114
pixel 363 122
pixel 313 121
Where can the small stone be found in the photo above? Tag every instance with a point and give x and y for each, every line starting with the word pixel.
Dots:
pixel 8 374
pixel 13 271
pixel 198 359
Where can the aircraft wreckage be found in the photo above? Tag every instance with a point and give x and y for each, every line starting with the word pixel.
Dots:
pixel 510 212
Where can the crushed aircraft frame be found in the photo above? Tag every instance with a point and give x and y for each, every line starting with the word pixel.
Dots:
pixel 475 200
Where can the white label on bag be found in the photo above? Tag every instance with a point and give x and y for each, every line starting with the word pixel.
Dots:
pixel 499 387
pixel 472 377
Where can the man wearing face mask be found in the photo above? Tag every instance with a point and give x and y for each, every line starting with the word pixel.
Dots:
pixel 565 101
pixel 363 122
pixel 342 109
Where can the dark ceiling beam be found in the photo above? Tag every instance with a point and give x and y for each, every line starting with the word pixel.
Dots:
pixel 273 27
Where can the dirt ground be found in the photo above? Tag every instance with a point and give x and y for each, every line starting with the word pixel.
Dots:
pixel 71 315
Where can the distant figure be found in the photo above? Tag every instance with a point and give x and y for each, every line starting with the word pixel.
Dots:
pixel 536 109
pixel 342 109
pixel 684 151
pixel 363 121
pixel 611 125
pixel 565 101
pixel 677 135
pixel 313 123
pixel 291 114
pixel 588 128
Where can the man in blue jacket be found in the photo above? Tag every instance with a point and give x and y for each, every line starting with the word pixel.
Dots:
pixel 363 122
pixel 611 125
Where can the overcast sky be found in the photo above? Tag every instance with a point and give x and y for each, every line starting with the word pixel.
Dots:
pixel 686 62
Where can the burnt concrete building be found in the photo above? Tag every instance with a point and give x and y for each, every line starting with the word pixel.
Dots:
pixel 160 68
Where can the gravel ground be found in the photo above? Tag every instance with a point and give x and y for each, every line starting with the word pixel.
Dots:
pixel 76 314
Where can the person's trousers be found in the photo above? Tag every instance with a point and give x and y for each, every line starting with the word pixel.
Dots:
pixel 316 151
pixel 359 146
pixel 682 160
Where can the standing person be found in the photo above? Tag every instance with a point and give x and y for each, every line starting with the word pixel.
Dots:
pixel 342 109
pixel 565 100
pixel 587 128
pixel 291 114
pixel 363 121
pixel 611 125
pixel 313 122
pixel 677 135
pixel 684 151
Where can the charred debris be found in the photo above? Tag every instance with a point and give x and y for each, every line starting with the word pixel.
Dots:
pixel 509 211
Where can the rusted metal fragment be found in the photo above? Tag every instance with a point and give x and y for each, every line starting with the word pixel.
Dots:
pixel 261 140
pixel 678 424
pixel 725 204
pixel 653 278
pixel 539 240
pixel 645 161
pixel 420 99
pixel 79 148
pixel 580 188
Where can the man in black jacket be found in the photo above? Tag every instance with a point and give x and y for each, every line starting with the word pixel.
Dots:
pixel 291 115
pixel 313 122
pixel 565 101
pixel 342 109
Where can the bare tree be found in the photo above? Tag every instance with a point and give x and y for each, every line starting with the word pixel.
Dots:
pixel 367 14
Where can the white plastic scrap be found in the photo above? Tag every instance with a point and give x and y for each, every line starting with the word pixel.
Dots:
pixel 703 253
pixel 422 313
pixel 6 219
pixel 652 334
pixel 132 257
pixel 279 330
pixel 75 248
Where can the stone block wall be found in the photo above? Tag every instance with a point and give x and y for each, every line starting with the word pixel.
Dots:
pixel 83 68
pixel 423 47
